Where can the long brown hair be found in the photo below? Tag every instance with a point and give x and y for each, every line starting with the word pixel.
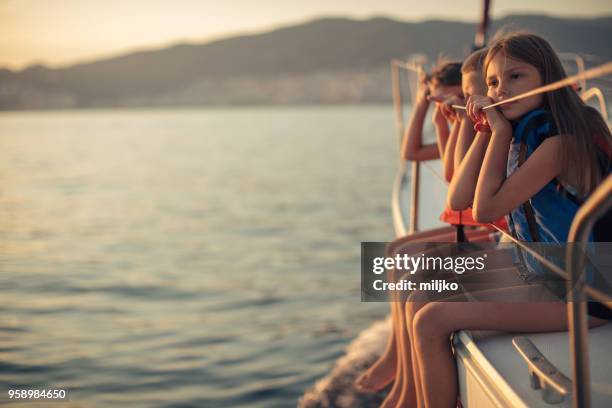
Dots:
pixel 577 123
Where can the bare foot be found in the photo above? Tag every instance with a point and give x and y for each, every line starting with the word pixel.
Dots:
pixel 379 375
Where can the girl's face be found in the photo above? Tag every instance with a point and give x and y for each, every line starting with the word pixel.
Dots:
pixel 472 83
pixel 507 77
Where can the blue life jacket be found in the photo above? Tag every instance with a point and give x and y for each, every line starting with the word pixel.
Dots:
pixel 552 209
pixel 547 216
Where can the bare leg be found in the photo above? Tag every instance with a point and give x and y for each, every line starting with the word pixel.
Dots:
pixel 400 377
pixel 413 394
pixel 436 321
pixel 402 392
pixel 384 370
pixel 387 367
pixel 403 371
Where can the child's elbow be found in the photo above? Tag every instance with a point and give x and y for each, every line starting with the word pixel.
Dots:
pixel 448 176
pixel 456 199
pixel 457 203
pixel 482 214
pixel 407 156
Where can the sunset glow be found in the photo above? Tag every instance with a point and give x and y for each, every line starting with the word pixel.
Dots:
pixel 67 31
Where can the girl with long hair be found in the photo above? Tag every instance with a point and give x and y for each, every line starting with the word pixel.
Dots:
pixel 443 86
pixel 534 161
pixel 452 147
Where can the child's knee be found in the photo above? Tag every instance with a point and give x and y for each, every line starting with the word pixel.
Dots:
pixel 430 323
pixel 411 310
pixel 414 303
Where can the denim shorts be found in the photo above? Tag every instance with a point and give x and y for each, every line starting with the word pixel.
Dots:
pixel 553 284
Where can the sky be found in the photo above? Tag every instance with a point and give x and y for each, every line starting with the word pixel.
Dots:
pixel 62 32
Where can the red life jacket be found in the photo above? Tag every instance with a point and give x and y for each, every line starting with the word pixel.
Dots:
pixel 465 218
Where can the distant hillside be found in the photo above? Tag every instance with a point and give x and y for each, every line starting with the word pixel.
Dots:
pixel 331 60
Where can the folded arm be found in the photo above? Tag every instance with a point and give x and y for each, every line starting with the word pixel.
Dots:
pixel 448 158
pixel 412 145
pixel 463 184
pixel 497 195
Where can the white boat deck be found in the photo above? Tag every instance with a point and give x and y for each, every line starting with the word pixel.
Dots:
pixel 503 379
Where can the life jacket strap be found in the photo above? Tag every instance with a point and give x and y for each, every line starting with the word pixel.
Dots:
pixel 527 208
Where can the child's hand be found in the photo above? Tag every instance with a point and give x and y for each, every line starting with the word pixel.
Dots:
pixel 438 117
pixel 474 106
pixel 485 120
pixel 436 98
pixel 482 125
pixel 422 92
pixel 448 111
pixel 474 111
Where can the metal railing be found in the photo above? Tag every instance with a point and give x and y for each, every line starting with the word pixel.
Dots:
pixel 597 93
pixel 580 66
pixel 402 226
pixel 597 205
pixel 543 374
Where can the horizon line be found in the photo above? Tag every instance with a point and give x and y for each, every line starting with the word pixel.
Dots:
pixel 34 63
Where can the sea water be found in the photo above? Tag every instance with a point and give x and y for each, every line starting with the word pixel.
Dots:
pixel 187 257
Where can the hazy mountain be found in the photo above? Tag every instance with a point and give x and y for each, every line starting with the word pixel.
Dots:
pixel 331 60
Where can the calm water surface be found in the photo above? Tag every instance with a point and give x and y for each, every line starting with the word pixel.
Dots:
pixel 162 258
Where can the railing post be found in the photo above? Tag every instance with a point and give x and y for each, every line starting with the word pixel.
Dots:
pixel 576 310
pixel 580 64
pixel 397 101
pixel 414 197
pixel 589 93
pixel 597 205
pixel 399 127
